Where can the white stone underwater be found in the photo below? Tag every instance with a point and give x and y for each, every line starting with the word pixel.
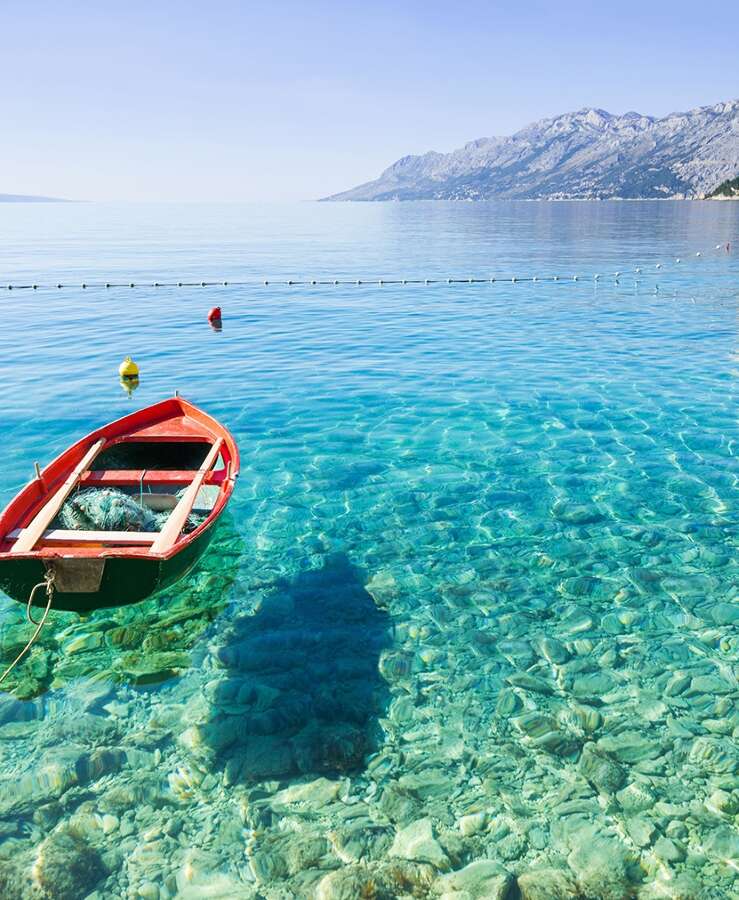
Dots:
pixel 469 626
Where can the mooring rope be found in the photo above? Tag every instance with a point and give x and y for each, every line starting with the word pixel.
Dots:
pixel 654 269
pixel 48 583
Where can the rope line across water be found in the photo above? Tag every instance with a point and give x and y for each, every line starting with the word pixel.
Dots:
pixel 638 271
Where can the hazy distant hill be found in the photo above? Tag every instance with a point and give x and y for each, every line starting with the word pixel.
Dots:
pixel 589 154
pixel 25 198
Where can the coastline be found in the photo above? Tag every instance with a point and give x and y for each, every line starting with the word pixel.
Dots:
pixel 531 200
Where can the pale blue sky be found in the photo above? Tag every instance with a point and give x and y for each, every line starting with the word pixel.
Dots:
pixel 287 101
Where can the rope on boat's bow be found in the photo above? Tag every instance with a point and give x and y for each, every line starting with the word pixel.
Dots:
pixel 47 583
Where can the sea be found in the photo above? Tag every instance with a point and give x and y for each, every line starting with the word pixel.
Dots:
pixel 469 626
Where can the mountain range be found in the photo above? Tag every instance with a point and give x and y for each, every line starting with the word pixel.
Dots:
pixel 586 155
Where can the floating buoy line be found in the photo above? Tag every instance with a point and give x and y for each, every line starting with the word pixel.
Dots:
pixel 654 269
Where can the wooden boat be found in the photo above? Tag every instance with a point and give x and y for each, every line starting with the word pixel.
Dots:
pixel 170 455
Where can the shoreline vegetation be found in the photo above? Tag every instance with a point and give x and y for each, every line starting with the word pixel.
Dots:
pixel 728 190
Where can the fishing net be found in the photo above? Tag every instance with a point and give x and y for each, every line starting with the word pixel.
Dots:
pixel 107 509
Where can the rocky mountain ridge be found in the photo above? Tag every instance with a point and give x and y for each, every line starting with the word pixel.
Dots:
pixel 589 154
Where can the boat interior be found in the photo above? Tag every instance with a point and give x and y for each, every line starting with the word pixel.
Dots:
pixel 184 477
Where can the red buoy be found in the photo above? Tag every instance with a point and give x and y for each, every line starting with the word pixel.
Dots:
pixel 215 314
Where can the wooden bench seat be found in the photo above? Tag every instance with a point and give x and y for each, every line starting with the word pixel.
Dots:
pixel 176 521
pixel 133 477
pixel 44 517
pixel 72 536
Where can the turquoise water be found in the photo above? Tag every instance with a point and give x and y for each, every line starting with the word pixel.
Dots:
pixel 471 621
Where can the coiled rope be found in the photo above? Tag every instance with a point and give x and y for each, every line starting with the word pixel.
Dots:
pixel 47 583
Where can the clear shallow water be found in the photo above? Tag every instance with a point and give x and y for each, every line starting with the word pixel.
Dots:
pixel 475 598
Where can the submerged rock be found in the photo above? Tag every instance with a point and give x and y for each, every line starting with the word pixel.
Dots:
pixel 636 797
pixel 604 774
pixel 79 643
pixel 723 802
pixel 67 868
pixel 508 703
pixel 15 879
pixel 601 868
pixel 668 850
pixel 677 684
pixel 360 840
pixel 511 847
pixel 401 878
pixel 629 747
pixel 709 684
pixel 589 719
pixel 350 883
pixel 716 754
pixel 724 843
pixel 480 880
pixel 316 793
pixel 685 886
pixel 472 824
pixel 593 686
pixel 552 650
pixel 148 890
pixel 398 805
pixel 530 683
pixel 50 780
pixel 641 830
pixel 535 724
pixel 416 842
pixel 577 513
pixel 427 784
pixel 548 884
pixel 151 668
pixel 725 614
pixel 214 886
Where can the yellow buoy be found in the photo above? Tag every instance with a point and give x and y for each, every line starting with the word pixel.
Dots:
pixel 128 368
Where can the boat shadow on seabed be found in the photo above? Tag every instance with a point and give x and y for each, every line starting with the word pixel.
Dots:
pixel 303 692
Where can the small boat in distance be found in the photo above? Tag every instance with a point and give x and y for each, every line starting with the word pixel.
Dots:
pixel 178 463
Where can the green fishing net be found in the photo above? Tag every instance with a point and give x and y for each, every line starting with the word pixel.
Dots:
pixel 108 509
pixel 105 510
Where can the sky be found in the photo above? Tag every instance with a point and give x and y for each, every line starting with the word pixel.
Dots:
pixel 283 101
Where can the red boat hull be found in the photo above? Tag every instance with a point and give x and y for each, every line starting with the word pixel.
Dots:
pixel 91 573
